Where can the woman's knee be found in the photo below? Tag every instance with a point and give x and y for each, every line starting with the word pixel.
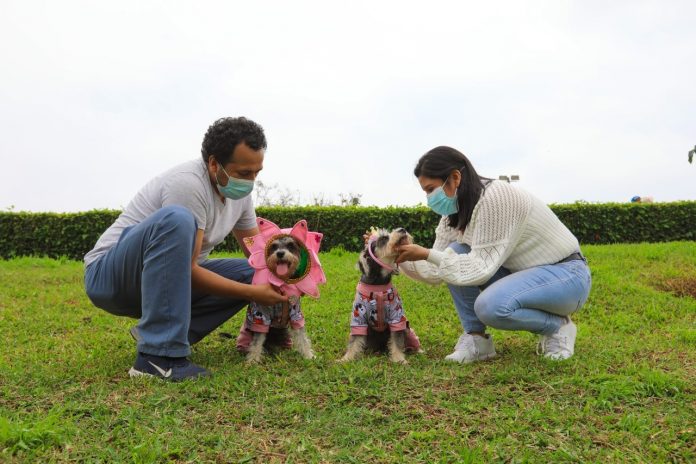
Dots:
pixel 490 309
pixel 459 248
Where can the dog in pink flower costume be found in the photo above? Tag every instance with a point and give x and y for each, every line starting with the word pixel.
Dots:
pixel 287 259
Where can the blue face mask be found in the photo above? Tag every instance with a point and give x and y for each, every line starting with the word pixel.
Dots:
pixel 439 202
pixel 236 188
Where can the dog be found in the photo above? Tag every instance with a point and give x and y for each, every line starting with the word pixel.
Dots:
pixel 268 325
pixel 378 322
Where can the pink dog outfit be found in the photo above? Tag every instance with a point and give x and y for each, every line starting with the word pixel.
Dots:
pixel 380 307
pixel 264 318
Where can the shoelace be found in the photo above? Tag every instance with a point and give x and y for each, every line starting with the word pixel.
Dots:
pixel 551 343
pixel 465 342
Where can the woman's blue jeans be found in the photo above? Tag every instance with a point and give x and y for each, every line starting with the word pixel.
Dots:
pixel 147 275
pixel 535 299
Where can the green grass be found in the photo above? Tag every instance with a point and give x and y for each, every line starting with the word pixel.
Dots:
pixel 627 395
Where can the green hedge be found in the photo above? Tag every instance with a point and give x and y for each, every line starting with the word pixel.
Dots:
pixel 73 234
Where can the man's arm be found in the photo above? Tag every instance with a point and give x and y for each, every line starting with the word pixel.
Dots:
pixel 240 235
pixel 207 281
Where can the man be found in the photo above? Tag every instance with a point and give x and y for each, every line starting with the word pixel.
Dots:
pixel 152 263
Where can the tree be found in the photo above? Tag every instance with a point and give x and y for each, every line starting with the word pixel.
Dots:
pixel 691 154
pixel 350 199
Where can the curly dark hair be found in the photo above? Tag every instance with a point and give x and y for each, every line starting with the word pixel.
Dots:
pixel 226 133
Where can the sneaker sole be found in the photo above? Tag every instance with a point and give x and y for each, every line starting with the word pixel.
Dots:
pixel 134 373
pixel 557 357
pixel 469 361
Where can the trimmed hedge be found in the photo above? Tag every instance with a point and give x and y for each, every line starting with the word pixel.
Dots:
pixel 73 234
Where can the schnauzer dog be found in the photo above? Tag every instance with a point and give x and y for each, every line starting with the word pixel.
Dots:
pixel 268 325
pixel 378 322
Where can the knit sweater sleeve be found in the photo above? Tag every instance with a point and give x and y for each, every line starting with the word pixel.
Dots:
pixel 423 270
pixel 497 223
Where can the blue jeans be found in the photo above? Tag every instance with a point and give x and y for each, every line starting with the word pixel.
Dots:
pixel 535 299
pixel 147 275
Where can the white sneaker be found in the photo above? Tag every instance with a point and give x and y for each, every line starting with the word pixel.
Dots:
pixel 472 348
pixel 560 345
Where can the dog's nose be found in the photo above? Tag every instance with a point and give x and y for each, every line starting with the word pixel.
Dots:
pixel 280 254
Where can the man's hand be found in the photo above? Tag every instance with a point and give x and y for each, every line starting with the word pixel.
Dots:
pixel 266 295
pixel 411 252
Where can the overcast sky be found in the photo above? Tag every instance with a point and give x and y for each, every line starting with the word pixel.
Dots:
pixel 586 100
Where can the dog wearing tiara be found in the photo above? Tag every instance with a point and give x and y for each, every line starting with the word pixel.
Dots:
pixel 378 322
pixel 286 259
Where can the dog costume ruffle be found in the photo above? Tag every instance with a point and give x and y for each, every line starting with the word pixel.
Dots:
pixel 309 273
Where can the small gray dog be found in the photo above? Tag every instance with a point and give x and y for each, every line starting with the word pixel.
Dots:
pixel 283 258
pixel 378 321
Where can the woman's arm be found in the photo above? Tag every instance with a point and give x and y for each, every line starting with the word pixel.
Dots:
pixel 496 224
pixel 415 266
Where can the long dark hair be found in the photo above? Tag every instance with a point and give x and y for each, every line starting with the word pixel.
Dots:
pixel 439 163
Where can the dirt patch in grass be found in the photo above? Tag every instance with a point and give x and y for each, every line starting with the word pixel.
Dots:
pixel 680 286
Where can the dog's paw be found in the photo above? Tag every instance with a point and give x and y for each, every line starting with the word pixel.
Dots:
pixel 253 359
pixel 309 355
pixel 398 358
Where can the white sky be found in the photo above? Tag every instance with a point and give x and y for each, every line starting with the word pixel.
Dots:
pixel 585 100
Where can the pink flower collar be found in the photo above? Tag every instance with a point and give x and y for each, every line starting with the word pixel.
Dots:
pixel 305 284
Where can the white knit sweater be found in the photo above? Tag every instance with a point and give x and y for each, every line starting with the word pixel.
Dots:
pixel 509 227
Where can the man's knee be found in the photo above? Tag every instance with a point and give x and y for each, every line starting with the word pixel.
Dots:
pixel 243 274
pixel 179 217
pixel 237 269
pixel 247 275
pixel 107 299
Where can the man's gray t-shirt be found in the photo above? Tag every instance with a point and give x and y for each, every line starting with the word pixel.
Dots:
pixel 187 185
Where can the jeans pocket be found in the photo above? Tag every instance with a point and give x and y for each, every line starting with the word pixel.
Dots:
pixel 581 270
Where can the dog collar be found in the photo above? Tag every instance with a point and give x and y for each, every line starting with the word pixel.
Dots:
pixel 377 260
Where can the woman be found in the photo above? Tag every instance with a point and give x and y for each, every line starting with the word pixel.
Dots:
pixel 507 259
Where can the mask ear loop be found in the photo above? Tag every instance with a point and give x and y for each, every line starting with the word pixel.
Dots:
pixel 456 189
pixel 223 170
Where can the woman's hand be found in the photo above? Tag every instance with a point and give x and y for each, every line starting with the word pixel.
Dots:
pixel 266 295
pixel 411 252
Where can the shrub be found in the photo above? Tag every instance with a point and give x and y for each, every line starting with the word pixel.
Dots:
pixel 74 234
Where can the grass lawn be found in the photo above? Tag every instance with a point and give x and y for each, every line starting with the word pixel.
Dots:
pixel 628 395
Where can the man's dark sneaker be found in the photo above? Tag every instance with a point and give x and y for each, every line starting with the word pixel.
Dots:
pixel 170 369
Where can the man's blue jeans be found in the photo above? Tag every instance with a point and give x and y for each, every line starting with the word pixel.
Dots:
pixel 147 275
pixel 535 299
